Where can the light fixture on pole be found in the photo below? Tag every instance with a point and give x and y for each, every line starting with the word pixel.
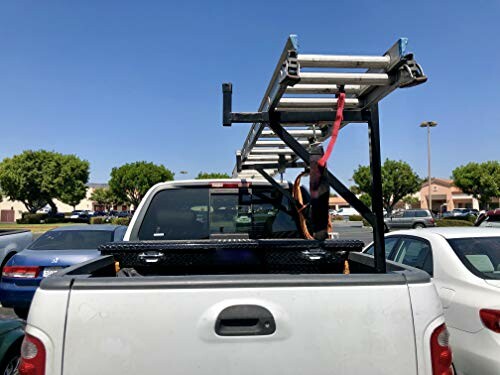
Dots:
pixel 429 125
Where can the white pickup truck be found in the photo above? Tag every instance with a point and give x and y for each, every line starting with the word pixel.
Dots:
pixel 11 242
pixel 242 297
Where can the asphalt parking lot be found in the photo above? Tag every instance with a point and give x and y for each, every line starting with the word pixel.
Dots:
pixel 346 232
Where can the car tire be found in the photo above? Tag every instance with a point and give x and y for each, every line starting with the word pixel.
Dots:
pixel 418 225
pixel 10 361
pixel 21 312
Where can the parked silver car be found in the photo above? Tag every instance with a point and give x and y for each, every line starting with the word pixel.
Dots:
pixel 410 219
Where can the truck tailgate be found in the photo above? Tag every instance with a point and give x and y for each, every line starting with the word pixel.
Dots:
pixel 170 328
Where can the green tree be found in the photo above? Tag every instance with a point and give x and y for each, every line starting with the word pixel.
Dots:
pixel 398 180
pixel 366 199
pixel 36 178
pixel 72 181
pixel 481 180
pixel 354 189
pixel 209 176
pixel 104 196
pixel 130 182
pixel 411 200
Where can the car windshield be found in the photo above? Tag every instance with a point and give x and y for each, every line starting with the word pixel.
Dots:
pixel 197 213
pixel 72 240
pixel 480 255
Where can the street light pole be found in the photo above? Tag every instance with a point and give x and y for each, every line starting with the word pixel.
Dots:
pixel 429 125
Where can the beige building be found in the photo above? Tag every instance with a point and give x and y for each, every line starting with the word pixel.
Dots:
pixel 11 211
pixel 446 196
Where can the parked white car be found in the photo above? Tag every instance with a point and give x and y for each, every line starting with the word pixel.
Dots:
pixel 465 267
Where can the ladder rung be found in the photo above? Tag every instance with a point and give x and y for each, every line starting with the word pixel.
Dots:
pixel 276 143
pixel 314 102
pixel 294 133
pixel 378 79
pixel 344 61
pixel 272 151
pixel 322 89
pixel 261 162
pixel 270 158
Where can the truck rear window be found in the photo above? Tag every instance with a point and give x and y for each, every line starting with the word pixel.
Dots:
pixel 196 213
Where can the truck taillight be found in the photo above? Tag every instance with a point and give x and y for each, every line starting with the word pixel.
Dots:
pixel 490 319
pixel 32 357
pixel 441 352
pixel 26 272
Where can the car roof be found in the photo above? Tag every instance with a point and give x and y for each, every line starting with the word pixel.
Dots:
pixel 93 227
pixel 450 232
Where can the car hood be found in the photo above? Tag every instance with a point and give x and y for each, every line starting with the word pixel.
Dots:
pixel 53 258
pixel 493 282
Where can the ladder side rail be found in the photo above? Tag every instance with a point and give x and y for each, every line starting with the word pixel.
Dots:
pixel 274 92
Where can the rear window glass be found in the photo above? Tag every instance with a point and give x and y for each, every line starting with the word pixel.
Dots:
pixel 196 213
pixel 422 214
pixel 72 240
pixel 480 255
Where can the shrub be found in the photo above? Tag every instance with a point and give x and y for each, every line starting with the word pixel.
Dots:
pixel 56 219
pixel 31 218
pixel 453 223
pixel 355 218
pixel 120 220
pixel 98 220
pixel 337 218
pixel 470 218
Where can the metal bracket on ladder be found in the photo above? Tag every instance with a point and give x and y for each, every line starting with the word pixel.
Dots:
pixel 298 108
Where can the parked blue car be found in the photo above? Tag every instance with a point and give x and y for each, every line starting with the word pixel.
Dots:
pixel 52 251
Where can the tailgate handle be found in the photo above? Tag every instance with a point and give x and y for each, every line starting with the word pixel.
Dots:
pixel 245 320
pixel 151 256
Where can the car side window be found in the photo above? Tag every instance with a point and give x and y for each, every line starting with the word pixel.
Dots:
pixel 390 242
pixel 422 214
pixel 415 253
pixel 409 214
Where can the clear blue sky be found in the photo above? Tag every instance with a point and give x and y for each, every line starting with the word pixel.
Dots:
pixel 121 81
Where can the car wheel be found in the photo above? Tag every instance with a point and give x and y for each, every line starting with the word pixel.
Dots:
pixel 21 312
pixel 10 361
pixel 419 225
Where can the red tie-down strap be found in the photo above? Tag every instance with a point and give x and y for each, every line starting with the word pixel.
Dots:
pixel 336 127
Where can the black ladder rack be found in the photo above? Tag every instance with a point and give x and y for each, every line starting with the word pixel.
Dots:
pixel 299 107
